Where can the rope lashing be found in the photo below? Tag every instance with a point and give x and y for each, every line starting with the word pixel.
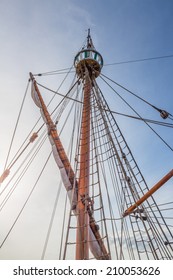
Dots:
pixel 7 171
pixel 33 137
pixel 4 175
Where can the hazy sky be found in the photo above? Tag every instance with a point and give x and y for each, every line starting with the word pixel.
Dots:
pixel 42 35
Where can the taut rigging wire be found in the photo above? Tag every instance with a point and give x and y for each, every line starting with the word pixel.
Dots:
pixel 25 168
pixel 51 221
pixel 12 190
pixel 140 173
pixel 113 161
pixel 60 94
pixel 40 175
pixel 26 201
pixel 10 193
pixel 56 201
pixel 140 60
pixel 61 71
pixel 23 172
pixel 20 150
pixel 134 94
pixel 47 238
pixel 113 172
pixel 138 115
pixel 17 122
pixel 166 124
pixel 77 126
pixel 73 146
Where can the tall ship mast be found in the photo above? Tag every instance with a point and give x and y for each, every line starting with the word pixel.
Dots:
pixel 109 210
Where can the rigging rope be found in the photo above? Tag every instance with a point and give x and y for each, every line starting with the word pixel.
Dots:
pixel 166 124
pixel 140 60
pixel 16 125
pixel 138 115
pixel 76 124
pixel 32 138
pixel 142 179
pixel 23 207
pixel 25 168
pixel 71 154
pixel 63 105
pixel 121 232
pixel 102 135
pixel 134 94
pixel 51 221
pixel 113 172
pixel 54 72
pixel 28 199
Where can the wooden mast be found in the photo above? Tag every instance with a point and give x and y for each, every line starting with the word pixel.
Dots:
pixel 82 234
pixel 88 63
pixel 82 242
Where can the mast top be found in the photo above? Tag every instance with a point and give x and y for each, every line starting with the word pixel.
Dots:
pixel 89 41
pixel 88 58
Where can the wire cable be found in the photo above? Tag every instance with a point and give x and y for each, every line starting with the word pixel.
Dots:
pixel 140 60
pixel 166 124
pixel 19 214
pixel 60 71
pixel 134 94
pixel 138 115
pixel 17 122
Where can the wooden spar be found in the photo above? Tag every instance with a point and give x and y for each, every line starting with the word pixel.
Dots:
pixel 149 193
pixel 53 133
pixel 82 238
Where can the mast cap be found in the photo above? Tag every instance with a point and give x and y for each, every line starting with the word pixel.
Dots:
pixel 89 58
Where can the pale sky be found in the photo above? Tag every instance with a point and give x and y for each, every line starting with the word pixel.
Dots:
pixel 42 35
